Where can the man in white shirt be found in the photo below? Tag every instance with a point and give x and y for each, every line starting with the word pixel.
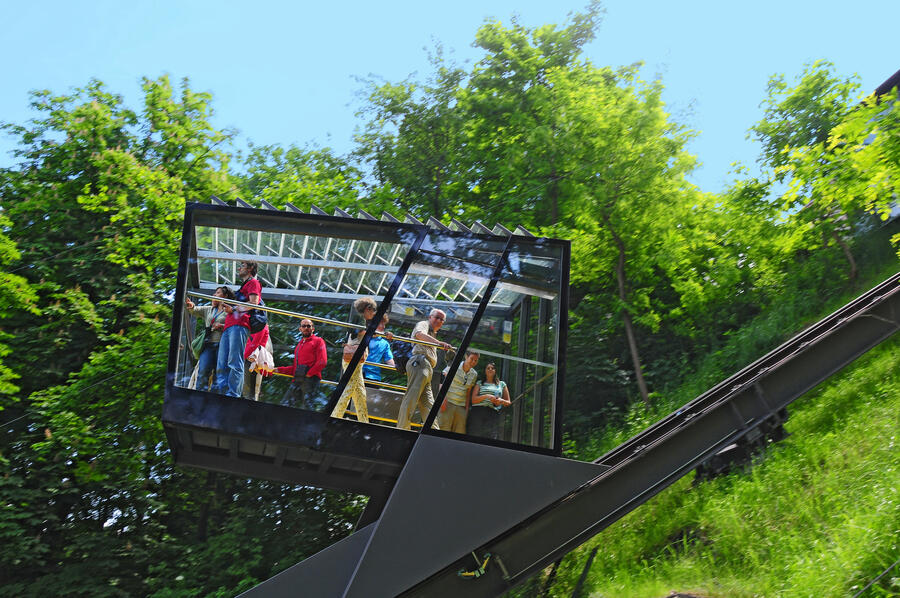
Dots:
pixel 420 368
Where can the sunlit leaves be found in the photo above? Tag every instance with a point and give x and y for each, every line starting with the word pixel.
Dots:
pixel 303 178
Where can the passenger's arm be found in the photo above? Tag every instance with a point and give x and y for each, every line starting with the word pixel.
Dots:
pixel 477 397
pixel 430 339
pixel 504 400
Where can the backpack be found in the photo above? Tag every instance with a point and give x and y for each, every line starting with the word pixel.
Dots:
pixel 258 318
pixel 402 354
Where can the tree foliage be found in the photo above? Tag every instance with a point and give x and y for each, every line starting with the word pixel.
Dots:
pixel 303 178
pixel 664 274
pixel 802 114
pixel 838 156
pixel 855 172
pixel 411 139
pixel 97 509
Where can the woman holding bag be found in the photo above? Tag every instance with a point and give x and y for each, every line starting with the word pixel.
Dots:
pixel 356 387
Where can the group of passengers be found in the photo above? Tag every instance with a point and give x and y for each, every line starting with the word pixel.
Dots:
pixel 471 406
pixel 229 350
pixel 230 353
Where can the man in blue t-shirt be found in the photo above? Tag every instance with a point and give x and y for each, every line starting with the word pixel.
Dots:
pixel 379 352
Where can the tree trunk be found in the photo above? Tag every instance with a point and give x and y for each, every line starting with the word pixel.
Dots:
pixel 203 515
pixel 436 195
pixel 854 271
pixel 626 316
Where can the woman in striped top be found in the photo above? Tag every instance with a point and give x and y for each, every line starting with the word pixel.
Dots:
pixel 488 397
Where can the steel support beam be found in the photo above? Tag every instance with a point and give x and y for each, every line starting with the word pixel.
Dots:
pixel 650 462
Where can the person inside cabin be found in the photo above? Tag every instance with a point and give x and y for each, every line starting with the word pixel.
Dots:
pixel 452 417
pixel 214 320
pixel 356 388
pixel 379 351
pixel 420 368
pixel 310 358
pixel 488 398
pixel 230 359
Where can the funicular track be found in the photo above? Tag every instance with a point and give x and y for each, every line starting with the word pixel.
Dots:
pixel 654 459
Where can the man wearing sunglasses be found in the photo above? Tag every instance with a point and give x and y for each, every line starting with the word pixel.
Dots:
pixel 420 368
pixel 309 361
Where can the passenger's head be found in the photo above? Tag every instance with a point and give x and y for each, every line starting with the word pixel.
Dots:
pixel 306 327
pixel 246 269
pixel 224 293
pixel 384 322
pixel 472 357
pixel 490 373
pixel 436 319
pixel 366 307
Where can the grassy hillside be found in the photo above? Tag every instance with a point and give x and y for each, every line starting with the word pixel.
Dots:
pixel 817 515
pixel 798 308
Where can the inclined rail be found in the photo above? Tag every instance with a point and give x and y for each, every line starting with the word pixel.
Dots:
pixel 657 457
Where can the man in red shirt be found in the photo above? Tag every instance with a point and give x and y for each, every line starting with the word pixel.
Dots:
pixel 309 360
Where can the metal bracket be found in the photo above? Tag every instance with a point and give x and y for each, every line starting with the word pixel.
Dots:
pixel 479 571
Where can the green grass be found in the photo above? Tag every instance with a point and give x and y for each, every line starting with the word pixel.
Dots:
pixel 744 346
pixel 817 515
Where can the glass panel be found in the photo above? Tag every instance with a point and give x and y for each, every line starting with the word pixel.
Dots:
pixel 518 345
pixel 314 271
pixel 316 267
pixel 449 274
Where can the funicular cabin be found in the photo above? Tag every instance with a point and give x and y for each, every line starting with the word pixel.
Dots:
pixel 503 294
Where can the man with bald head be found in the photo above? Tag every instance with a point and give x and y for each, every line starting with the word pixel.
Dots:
pixel 310 358
pixel 420 368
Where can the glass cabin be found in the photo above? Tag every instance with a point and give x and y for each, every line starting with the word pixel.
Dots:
pixel 503 294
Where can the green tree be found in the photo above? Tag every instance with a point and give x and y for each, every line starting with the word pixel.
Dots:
pixel 301 177
pixel 802 114
pixel 855 171
pixel 95 204
pixel 15 295
pixel 412 139
pixel 97 508
pixel 796 126
pixel 626 201
pixel 517 151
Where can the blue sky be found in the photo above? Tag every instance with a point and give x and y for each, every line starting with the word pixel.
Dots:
pixel 287 72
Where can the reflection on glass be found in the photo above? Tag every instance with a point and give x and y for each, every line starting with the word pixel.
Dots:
pixel 505 387
pixel 489 396
pixel 309 275
pixel 319 287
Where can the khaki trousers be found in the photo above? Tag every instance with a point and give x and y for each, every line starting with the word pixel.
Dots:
pixel 418 392
pixel 452 419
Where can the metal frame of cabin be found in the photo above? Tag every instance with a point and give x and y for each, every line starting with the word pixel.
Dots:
pixel 474 273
